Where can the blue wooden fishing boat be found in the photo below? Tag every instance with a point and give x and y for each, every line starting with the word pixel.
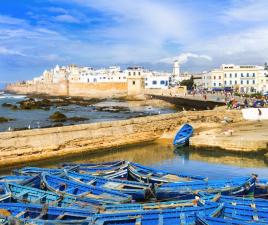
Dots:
pixel 12 220
pixel 4 193
pixel 183 215
pixel 44 212
pixel 257 203
pixel 138 191
pixel 103 169
pixel 245 213
pixel 14 178
pixel 261 189
pixel 64 186
pixel 95 165
pixel 186 190
pixel 208 220
pixel 31 171
pixel 148 175
pixel 20 193
pixel 183 135
pixel 157 205
pixel 240 211
pixel 114 174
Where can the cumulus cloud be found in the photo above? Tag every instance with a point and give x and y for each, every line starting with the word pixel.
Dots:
pixel 184 57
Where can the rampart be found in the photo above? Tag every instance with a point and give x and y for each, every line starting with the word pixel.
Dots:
pixel 64 88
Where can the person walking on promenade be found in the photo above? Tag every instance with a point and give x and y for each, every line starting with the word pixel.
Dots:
pixel 245 103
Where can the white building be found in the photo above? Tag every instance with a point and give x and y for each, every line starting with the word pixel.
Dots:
pixel 241 78
pixel 77 74
pixel 153 79
pixel 206 80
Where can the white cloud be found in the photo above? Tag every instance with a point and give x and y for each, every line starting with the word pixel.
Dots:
pixel 6 51
pixel 184 57
pixel 7 20
pixel 66 18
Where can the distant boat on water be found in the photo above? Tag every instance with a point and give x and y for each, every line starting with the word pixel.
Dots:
pixel 183 135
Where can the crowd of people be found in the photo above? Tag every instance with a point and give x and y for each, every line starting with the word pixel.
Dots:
pixel 232 100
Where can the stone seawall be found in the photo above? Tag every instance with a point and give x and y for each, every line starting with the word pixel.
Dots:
pixel 92 90
pixel 32 145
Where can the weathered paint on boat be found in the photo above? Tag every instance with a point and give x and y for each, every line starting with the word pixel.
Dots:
pixel 183 215
pixel 185 190
pixel 138 191
pixel 70 187
pixel 149 175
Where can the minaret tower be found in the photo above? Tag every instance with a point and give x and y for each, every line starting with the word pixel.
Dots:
pixel 176 71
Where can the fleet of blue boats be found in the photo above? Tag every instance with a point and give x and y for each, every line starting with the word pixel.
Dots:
pixel 127 193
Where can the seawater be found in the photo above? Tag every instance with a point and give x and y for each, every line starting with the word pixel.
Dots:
pixel 162 155
pixel 40 118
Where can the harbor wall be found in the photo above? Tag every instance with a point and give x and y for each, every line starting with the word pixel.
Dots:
pixel 64 88
pixel 32 145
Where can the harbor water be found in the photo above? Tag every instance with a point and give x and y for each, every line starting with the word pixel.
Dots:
pixel 162 155
pixel 109 110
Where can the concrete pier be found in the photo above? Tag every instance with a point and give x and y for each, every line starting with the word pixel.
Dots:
pixel 189 103
pixel 243 136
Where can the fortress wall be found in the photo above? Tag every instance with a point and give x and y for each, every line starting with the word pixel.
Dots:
pixel 64 88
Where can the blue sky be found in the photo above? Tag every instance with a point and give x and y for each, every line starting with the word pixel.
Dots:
pixel 37 34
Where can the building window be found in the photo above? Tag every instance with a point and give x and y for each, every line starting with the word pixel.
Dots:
pixel 241 82
pixel 225 75
pixel 230 75
pixel 214 77
pixel 219 77
pixel 162 82
pixel 225 82
pixel 247 81
pixel 139 73
pixel 214 84
pixel 235 81
pixel 146 84
pixel 129 73
pixel 154 82
pixel 219 84
pixel 247 74
pixel 242 75
pixel 230 82
pixel 134 73
pixel 253 74
pixel 253 82
pixel 235 75
pixel 133 82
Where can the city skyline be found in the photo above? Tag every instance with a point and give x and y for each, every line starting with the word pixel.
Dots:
pixel 202 35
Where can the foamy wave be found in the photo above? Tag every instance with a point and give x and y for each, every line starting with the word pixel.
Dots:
pixel 11 96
